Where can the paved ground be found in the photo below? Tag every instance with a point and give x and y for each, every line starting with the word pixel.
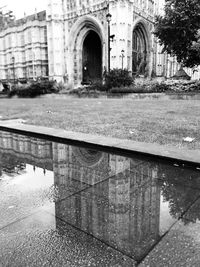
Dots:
pixel 117 212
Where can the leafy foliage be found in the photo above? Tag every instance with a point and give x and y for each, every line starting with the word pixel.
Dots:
pixel 97 86
pixel 178 30
pixel 34 89
pixel 122 90
pixel 169 86
pixel 118 78
pixel 178 189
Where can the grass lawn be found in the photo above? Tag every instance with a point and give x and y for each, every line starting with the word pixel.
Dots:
pixel 154 121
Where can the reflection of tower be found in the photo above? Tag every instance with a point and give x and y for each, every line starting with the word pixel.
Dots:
pixel 119 201
pixel 76 168
pixel 78 164
pixel 122 210
pixel 61 155
pixel 145 205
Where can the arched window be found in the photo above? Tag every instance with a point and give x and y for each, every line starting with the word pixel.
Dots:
pixel 139 51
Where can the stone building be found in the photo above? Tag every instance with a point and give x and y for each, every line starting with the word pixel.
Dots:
pixel 23 48
pixel 78 38
pixel 78 35
pixel 70 42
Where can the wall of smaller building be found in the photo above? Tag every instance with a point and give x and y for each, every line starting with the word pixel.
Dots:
pixel 193 73
pixel 23 48
pixel 166 65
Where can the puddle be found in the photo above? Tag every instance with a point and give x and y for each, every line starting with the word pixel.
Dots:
pixel 112 202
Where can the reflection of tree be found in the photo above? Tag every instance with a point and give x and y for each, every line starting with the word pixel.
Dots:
pixel 178 188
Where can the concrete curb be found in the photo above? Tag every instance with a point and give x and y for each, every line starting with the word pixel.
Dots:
pixel 108 144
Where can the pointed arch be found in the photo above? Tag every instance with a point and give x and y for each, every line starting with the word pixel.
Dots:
pixel 141 48
pixel 79 32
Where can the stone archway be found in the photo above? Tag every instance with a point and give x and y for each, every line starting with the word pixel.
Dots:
pixel 82 32
pixel 140 50
pixel 92 58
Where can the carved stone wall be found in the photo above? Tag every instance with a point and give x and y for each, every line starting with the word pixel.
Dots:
pixel 71 21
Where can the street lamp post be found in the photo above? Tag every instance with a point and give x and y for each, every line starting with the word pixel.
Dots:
pixel 122 58
pixel 108 17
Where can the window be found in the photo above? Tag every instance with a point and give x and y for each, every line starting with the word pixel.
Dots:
pixel 139 51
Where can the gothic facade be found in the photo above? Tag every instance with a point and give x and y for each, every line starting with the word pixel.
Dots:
pixel 78 38
pixel 70 42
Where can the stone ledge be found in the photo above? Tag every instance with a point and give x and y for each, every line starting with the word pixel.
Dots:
pixel 107 144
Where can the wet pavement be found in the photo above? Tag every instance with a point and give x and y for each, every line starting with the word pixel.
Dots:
pixel 63 205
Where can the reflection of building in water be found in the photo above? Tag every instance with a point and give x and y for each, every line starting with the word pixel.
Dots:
pixel 145 205
pixel 114 198
pixel 120 201
pixel 74 165
pixel 31 150
pixel 121 208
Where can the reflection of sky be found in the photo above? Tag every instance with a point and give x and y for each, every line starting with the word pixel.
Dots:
pixel 33 179
pixel 166 220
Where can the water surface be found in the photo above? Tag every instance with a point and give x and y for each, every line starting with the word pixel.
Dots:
pixel 61 204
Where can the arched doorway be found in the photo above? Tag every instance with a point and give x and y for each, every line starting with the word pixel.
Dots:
pixel 139 51
pixel 92 58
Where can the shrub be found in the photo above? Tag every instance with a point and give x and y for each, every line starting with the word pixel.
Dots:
pixel 118 78
pixel 34 89
pixel 64 88
pixel 91 89
pixel 122 90
pixel 142 88
pixel 160 87
pixel 97 86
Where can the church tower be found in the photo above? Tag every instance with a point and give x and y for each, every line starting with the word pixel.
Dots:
pixel 55 28
pixel 80 35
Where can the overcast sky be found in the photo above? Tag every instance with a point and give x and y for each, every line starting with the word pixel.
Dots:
pixel 27 6
pixel 21 6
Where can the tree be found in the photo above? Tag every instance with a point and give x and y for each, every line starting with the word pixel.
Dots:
pixel 178 186
pixel 178 31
